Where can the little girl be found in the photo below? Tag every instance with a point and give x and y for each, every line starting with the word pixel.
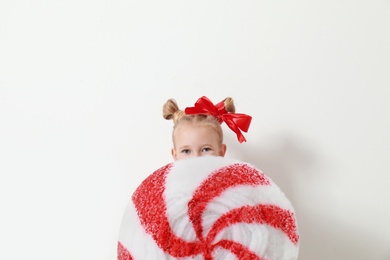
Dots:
pixel 197 130
pixel 226 210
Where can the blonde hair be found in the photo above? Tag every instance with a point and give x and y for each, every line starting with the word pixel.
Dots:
pixel 171 111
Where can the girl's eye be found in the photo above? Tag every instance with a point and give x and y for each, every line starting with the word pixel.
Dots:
pixel 207 149
pixel 186 151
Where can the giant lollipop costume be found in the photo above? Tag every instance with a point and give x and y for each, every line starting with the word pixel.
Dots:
pixel 208 208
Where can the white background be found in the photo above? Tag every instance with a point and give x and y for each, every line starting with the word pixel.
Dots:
pixel 82 84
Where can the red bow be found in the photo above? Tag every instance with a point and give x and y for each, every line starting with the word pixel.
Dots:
pixel 236 122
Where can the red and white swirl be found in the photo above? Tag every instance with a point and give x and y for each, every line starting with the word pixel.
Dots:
pixel 208 208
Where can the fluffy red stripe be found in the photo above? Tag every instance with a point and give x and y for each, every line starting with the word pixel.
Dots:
pixel 272 215
pixel 151 210
pixel 123 253
pixel 218 182
pixel 239 250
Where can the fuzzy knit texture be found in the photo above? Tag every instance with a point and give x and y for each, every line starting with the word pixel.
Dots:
pixel 208 208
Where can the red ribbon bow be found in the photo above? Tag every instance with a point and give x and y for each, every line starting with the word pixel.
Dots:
pixel 236 122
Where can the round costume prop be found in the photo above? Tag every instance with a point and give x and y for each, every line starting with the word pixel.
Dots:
pixel 208 208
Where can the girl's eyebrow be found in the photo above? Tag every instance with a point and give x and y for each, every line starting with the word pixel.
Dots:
pixel 183 147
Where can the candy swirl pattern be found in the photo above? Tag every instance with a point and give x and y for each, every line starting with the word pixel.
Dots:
pixel 209 208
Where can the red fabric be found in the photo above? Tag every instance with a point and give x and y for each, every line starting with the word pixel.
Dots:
pixel 151 211
pixel 235 121
pixel 123 253
pixel 216 184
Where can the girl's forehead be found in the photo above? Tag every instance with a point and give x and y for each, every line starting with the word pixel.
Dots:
pixel 193 125
pixel 203 126
pixel 189 130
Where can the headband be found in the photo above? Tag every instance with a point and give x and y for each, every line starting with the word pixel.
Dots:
pixel 236 122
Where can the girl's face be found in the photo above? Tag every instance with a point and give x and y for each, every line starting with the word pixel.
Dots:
pixel 192 141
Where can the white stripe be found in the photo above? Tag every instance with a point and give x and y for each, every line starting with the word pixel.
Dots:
pixel 182 181
pixel 133 236
pixel 239 196
pixel 264 240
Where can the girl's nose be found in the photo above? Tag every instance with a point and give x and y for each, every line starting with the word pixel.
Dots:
pixel 196 154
